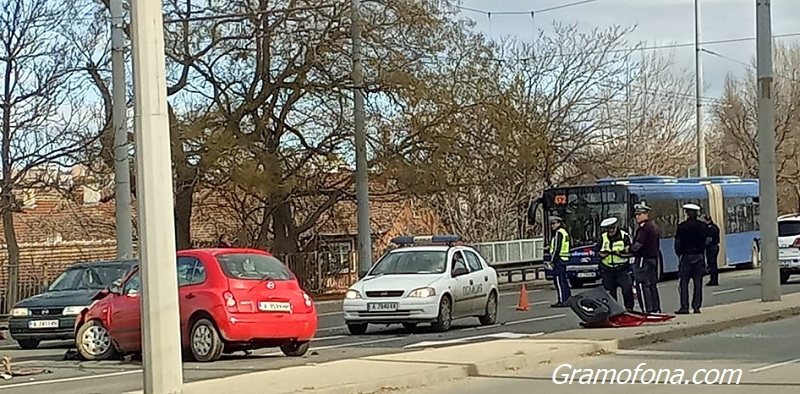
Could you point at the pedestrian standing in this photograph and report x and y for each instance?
(646, 249)
(559, 256)
(614, 263)
(712, 251)
(690, 246)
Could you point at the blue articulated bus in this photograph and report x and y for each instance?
(731, 202)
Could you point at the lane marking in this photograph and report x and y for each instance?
(331, 328)
(533, 319)
(634, 352)
(776, 365)
(320, 339)
(501, 335)
(531, 304)
(67, 380)
(727, 291)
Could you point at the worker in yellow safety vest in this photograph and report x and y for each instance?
(559, 256)
(615, 267)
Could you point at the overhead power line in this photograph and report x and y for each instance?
(527, 12)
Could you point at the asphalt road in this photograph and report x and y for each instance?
(734, 361)
(333, 342)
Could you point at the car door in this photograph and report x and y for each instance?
(191, 275)
(479, 280)
(462, 300)
(126, 316)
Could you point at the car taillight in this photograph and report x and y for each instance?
(230, 302)
(796, 243)
(309, 302)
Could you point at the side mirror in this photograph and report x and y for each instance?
(459, 272)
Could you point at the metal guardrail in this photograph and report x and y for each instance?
(515, 252)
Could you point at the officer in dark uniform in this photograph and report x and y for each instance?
(690, 246)
(615, 264)
(712, 251)
(646, 249)
(559, 252)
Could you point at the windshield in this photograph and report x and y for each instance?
(253, 267)
(583, 210)
(411, 262)
(788, 228)
(88, 277)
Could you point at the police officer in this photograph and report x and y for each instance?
(690, 246)
(646, 249)
(615, 264)
(559, 252)
(712, 251)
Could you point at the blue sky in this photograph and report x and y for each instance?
(659, 22)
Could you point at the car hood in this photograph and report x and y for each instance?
(57, 299)
(398, 282)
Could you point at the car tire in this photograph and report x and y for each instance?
(28, 344)
(295, 349)
(445, 318)
(357, 328)
(490, 313)
(94, 342)
(785, 277)
(205, 342)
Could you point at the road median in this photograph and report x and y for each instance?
(335, 306)
(405, 370)
(712, 319)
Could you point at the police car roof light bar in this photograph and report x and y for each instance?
(429, 239)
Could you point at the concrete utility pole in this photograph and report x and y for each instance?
(767, 173)
(161, 342)
(702, 170)
(122, 175)
(362, 175)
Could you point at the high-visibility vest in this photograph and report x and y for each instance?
(563, 252)
(618, 246)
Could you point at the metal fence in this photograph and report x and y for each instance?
(322, 273)
(27, 288)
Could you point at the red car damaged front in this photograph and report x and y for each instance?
(230, 300)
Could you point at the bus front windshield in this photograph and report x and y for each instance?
(583, 211)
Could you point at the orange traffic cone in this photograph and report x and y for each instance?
(523, 299)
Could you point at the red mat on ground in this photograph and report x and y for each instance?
(629, 319)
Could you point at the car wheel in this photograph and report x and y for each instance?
(28, 344)
(358, 329)
(94, 342)
(295, 349)
(445, 318)
(785, 277)
(206, 343)
(490, 316)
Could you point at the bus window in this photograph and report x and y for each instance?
(665, 215)
(583, 212)
(741, 215)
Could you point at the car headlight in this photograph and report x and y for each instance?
(73, 310)
(352, 295)
(423, 292)
(20, 312)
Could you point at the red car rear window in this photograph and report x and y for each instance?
(253, 267)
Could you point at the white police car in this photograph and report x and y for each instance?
(789, 246)
(426, 280)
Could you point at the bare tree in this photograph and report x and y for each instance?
(734, 144)
(42, 114)
(651, 123)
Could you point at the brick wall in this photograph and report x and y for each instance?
(44, 261)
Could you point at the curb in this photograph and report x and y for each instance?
(324, 307)
(707, 328)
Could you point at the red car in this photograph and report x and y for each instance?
(230, 300)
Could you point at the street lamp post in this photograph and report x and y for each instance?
(161, 342)
(767, 173)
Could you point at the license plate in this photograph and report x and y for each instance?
(43, 324)
(586, 274)
(275, 306)
(382, 306)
